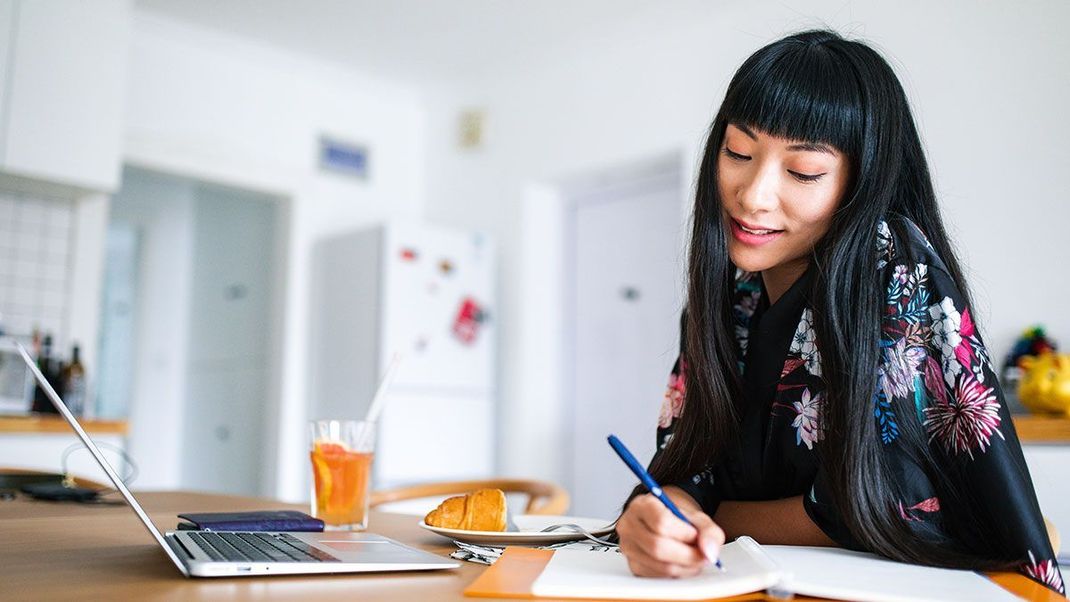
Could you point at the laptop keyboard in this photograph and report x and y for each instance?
(257, 547)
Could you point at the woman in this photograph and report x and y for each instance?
(832, 387)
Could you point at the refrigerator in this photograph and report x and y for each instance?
(426, 292)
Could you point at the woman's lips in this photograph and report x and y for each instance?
(752, 238)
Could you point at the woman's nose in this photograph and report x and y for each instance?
(759, 192)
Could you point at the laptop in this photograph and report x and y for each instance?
(232, 554)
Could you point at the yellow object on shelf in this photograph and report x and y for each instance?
(1045, 384)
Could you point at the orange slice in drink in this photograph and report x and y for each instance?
(323, 454)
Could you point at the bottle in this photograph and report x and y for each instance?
(74, 384)
(45, 363)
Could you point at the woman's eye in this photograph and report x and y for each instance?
(732, 155)
(805, 177)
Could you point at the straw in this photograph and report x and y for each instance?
(379, 400)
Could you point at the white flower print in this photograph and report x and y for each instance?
(742, 334)
(804, 343)
(947, 322)
(885, 246)
(901, 365)
(705, 475)
(807, 422)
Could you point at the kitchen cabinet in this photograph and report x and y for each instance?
(39, 442)
(63, 68)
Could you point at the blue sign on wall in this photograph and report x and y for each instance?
(343, 157)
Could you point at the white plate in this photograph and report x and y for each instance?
(530, 527)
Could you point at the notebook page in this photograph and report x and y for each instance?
(583, 574)
(847, 575)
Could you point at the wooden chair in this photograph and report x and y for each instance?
(542, 497)
(77, 481)
(1053, 535)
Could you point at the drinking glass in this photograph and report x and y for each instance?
(342, 453)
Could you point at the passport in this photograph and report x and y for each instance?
(261, 520)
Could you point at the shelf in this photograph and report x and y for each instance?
(1042, 429)
(56, 424)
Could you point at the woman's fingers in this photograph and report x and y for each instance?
(656, 548)
(657, 543)
(660, 520)
(710, 536)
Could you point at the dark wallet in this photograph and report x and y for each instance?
(265, 520)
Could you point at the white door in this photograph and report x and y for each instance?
(628, 290)
(230, 322)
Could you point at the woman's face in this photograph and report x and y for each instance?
(778, 197)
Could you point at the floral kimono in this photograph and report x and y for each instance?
(933, 359)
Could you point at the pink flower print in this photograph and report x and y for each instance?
(807, 421)
(964, 353)
(966, 327)
(900, 366)
(934, 380)
(673, 404)
(967, 420)
(928, 505)
(1044, 571)
(901, 273)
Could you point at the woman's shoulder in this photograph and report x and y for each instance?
(900, 241)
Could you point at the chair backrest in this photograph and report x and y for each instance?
(1053, 535)
(542, 497)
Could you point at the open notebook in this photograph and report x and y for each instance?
(749, 567)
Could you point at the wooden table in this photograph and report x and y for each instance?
(1034, 428)
(57, 551)
(60, 551)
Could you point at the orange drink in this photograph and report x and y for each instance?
(341, 454)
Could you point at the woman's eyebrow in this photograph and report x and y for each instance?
(811, 146)
(746, 130)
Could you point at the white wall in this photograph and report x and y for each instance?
(989, 88)
(218, 108)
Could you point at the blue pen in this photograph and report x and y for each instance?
(648, 481)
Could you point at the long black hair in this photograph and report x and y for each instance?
(816, 86)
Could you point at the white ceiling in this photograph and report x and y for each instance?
(418, 41)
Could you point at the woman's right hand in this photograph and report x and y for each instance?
(658, 544)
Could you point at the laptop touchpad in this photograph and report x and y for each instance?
(353, 546)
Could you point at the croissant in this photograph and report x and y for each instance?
(482, 510)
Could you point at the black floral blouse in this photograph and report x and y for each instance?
(933, 358)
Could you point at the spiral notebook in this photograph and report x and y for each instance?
(749, 567)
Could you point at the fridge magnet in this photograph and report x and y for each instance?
(421, 344)
(446, 267)
(409, 254)
(470, 317)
